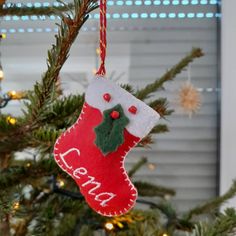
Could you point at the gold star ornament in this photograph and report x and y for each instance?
(189, 98)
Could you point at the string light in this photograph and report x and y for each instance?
(151, 166)
(11, 120)
(3, 36)
(16, 95)
(167, 197)
(98, 51)
(109, 226)
(1, 74)
(12, 94)
(60, 182)
(28, 164)
(16, 205)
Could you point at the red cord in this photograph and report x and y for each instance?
(103, 39)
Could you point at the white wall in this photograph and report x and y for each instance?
(228, 121)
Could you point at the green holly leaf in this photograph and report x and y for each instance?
(110, 133)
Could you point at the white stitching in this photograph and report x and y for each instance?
(122, 167)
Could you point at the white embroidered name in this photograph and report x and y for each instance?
(102, 197)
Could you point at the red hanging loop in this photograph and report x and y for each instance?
(103, 37)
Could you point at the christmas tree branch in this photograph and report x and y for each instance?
(213, 204)
(17, 174)
(161, 106)
(63, 112)
(151, 190)
(44, 92)
(137, 166)
(14, 10)
(161, 128)
(170, 74)
(223, 225)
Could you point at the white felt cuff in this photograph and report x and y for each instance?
(140, 123)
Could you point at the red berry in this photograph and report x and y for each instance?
(133, 109)
(115, 115)
(107, 97)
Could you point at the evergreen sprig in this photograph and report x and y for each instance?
(14, 175)
(151, 190)
(169, 75)
(213, 204)
(137, 166)
(223, 225)
(44, 92)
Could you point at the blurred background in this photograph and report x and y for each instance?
(145, 38)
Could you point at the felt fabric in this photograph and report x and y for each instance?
(140, 123)
(101, 178)
(110, 133)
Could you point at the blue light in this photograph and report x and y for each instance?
(110, 3)
(52, 17)
(147, 3)
(96, 16)
(3, 31)
(12, 31)
(209, 15)
(37, 4)
(116, 16)
(213, 2)
(15, 18)
(56, 4)
(119, 3)
(157, 2)
(194, 2)
(153, 15)
(42, 17)
(172, 15)
(24, 18)
(138, 3)
(144, 15)
(200, 15)
(30, 30)
(203, 2)
(34, 17)
(125, 15)
(185, 2)
(7, 18)
(190, 15)
(20, 30)
(129, 3)
(134, 15)
(181, 15)
(162, 15)
(48, 29)
(175, 2)
(39, 30)
(46, 4)
(19, 4)
(108, 16)
(29, 4)
(166, 2)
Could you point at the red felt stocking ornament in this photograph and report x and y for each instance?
(93, 150)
